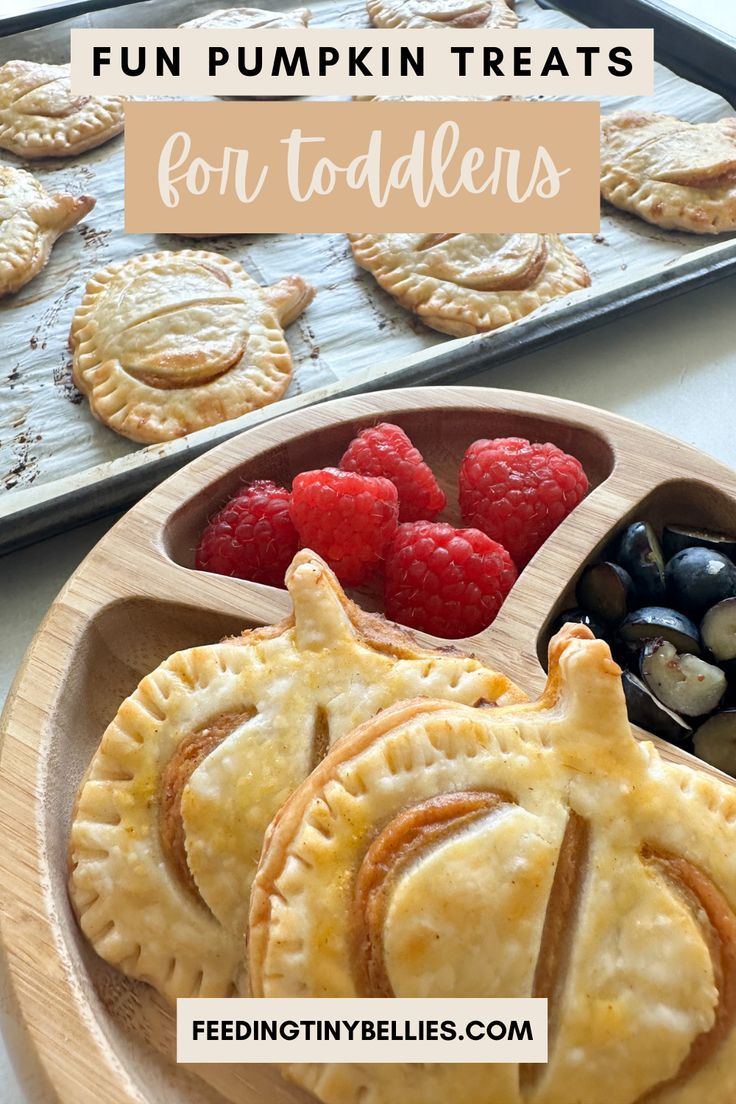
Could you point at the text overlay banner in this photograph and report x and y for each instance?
(374, 1029)
(356, 61)
(309, 167)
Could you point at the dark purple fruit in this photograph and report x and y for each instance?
(715, 741)
(655, 622)
(718, 630)
(607, 591)
(698, 578)
(638, 551)
(650, 714)
(675, 538)
(580, 617)
(684, 683)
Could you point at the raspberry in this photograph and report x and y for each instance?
(445, 581)
(386, 450)
(347, 518)
(518, 493)
(251, 537)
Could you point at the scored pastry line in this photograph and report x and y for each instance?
(558, 933)
(424, 826)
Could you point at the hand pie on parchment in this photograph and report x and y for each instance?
(463, 284)
(40, 116)
(167, 343)
(170, 816)
(677, 175)
(243, 19)
(31, 219)
(539, 850)
(489, 14)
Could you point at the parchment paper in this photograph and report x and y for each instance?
(352, 328)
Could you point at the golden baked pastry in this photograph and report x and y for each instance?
(463, 284)
(167, 343)
(171, 814)
(243, 19)
(441, 13)
(675, 174)
(40, 116)
(31, 219)
(441, 851)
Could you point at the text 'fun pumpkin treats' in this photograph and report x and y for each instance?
(167, 343)
(170, 816)
(441, 851)
(489, 14)
(463, 284)
(41, 117)
(31, 219)
(675, 174)
(244, 19)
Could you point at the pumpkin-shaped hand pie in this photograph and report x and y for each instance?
(41, 117)
(675, 174)
(441, 851)
(470, 283)
(31, 220)
(171, 814)
(168, 343)
(244, 19)
(489, 14)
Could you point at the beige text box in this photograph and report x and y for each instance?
(309, 167)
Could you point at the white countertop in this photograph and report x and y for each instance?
(672, 367)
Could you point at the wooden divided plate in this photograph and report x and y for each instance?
(82, 1033)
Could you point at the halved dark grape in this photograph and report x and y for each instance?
(698, 578)
(580, 617)
(675, 538)
(639, 552)
(654, 622)
(652, 715)
(684, 683)
(718, 630)
(607, 590)
(715, 741)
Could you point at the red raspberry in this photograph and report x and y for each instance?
(518, 493)
(445, 581)
(251, 537)
(386, 450)
(345, 517)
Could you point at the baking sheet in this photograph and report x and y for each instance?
(58, 465)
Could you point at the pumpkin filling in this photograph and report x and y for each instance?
(717, 922)
(558, 933)
(401, 843)
(192, 751)
(320, 736)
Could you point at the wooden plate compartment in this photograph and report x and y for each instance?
(84, 1033)
(690, 502)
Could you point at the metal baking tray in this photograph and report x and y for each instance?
(58, 467)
